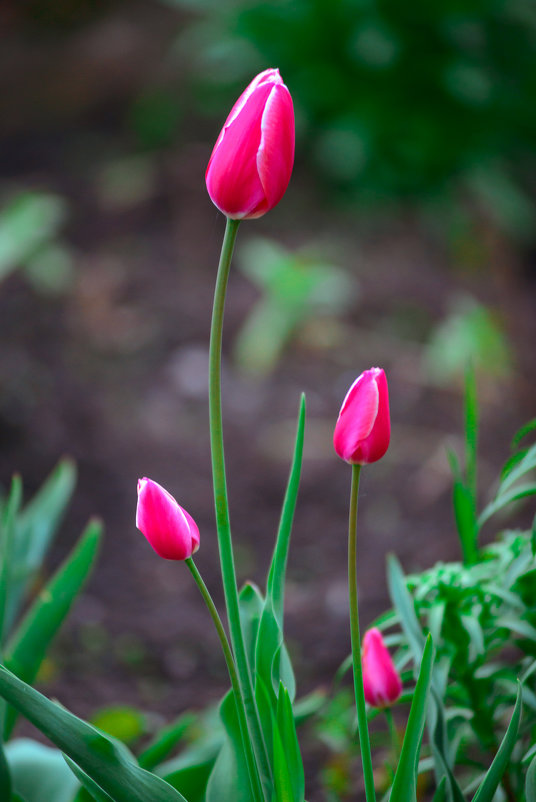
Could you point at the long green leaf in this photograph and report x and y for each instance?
(165, 741)
(229, 779)
(89, 786)
(515, 493)
(276, 577)
(287, 738)
(39, 772)
(8, 541)
(404, 605)
(108, 762)
(36, 526)
(494, 775)
(530, 781)
(28, 646)
(405, 782)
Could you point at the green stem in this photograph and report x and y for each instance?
(221, 504)
(362, 725)
(248, 749)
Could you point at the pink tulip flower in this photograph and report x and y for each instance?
(363, 428)
(170, 530)
(381, 680)
(251, 163)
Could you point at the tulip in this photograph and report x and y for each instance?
(170, 530)
(363, 428)
(381, 680)
(251, 163)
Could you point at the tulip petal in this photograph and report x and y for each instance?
(357, 416)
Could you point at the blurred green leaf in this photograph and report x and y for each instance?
(39, 772)
(105, 760)
(124, 723)
(165, 741)
(28, 646)
(494, 775)
(287, 754)
(27, 222)
(35, 528)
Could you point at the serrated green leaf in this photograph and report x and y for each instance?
(494, 775)
(39, 772)
(28, 646)
(107, 761)
(404, 787)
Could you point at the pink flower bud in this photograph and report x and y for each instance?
(381, 680)
(170, 530)
(363, 428)
(251, 163)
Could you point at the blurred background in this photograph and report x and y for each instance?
(406, 239)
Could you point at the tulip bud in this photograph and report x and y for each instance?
(251, 163)
(381, 680)
(363, 428)
(170, 530)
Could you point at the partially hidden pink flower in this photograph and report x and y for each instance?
(170, 530)
(363, 428)
(381, 680)
(252, 160)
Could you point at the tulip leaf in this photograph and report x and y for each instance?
(440, 794)
(229, 779)
(404, 787)
(27, 648)
(251, 604)
(89, 786)
(530, 781)
(107, 761)
(39, 772)
(35, 528)
(403, 603)
(5, 775)
(165, 741)
(494, 775)
(189, 772)
(276, 576)
(286, 748)
(8, 540)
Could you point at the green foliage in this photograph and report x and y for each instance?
(294, 287)
(30, 223)
(391, 99)
(39, 773)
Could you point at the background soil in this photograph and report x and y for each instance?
(113, 373)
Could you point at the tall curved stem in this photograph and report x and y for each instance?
(362, 724)
(221, 504)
